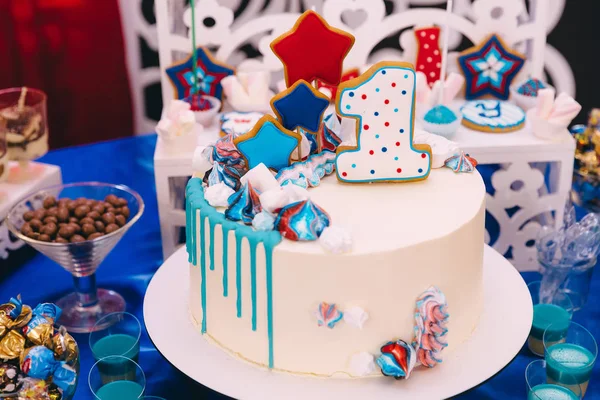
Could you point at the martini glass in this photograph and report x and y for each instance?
(83, 308)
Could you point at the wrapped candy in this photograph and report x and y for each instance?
(9, 379)
(64, 346)
(38, 362)
(13, 314)
(39, 329)
(11, 345)
(34, 389)
(49, 311)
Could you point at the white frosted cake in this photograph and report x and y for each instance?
(335, 244)
(406, 238)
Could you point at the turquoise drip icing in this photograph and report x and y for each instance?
(195, 201)
(269, 273)
(253, 282)
(211, 249)
(203, 269)
(238, 273)
(225, 262)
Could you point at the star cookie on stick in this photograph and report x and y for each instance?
(490, 68)
(209, 72)
(300, 106)
(312, 50)
(268, 143)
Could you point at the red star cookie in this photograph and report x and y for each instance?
(429, 55)
(350, 74)
(312, 50)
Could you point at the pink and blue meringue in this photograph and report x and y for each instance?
(302, 221)
(397, 359)
(328, 315)
(431, 317)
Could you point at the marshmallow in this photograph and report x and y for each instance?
(260, 178)
(177, 121)
(453, 85)
(441, 148)
(545, 101)
(274, 199)
(295, 193)
(431, 95)
(218, 194)
(564, 110)
(202, 160)
(248, 91)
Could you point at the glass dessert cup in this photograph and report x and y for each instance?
(23, 119)
(83, 308)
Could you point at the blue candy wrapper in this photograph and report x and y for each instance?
(49, 311)
(38, 362)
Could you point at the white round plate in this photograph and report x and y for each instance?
(502, 330)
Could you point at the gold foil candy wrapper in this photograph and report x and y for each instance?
(3, 330)
(54, 393)
(64, 346)
(12, 345)
(38, 330)
(22, 319)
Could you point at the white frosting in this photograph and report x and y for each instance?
(279, 197)
(406, 238)
(362, 364)
(384, 102)
(237, 123)
(260, 178)
(441, 148)
(263, 221)
(336, 240)
(217, 194)
(356, 317)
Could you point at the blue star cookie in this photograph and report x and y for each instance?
(268, 143)
(300, 106)
(209, 71)
(490, 68)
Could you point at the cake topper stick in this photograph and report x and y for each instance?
(194, 56)
(445, 51)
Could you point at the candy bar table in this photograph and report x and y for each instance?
(491, 347)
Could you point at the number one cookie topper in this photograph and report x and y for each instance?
(383, 102)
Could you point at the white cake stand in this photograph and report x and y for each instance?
(501, 332)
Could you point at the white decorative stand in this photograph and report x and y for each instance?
(12, 191)
(521, 201)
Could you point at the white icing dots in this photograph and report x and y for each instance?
(429, 59)
(423, 34)
(426, 45)
(432, 36)
(436, 52)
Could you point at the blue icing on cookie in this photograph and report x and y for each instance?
(300, 106)
(268, 143)
(440, 115)
(493, 115)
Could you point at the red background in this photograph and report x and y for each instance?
(73, 50)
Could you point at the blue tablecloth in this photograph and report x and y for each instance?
(129, 268)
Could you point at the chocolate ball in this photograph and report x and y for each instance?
(77, 239)
(73, 220)
(71, 206)
(63, 202)
(52, 212)
(49, 229)
(45, 238)
(125, 211)
(86, 220)
(80, 200)
(62, 214)
(75, 227)
(49, 219)
(61, 240)
(90, 203)
(81, 211)
(35, 224)
(99, 208)
(108, 218)
(95, 235)
(66, 231)
(112, 199)
(40, 214)
(120, 220)
(121, 202)
(99, 225)
(111, 228)
(26, 229)
(34, 235)
(95, 215)
(88, 229)
(49, 201)
(28, 215)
